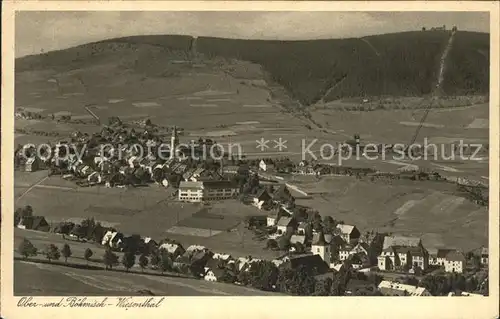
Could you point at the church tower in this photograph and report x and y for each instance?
(321, 247)
(174, 142)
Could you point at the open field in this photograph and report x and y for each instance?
(428, 209)
(147, 212)
(38, 280)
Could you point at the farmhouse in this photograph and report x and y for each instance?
(34, 223)
(390, 288)
(261, 198)
(348, 232)
(32, 164)
(207, 191)
(455, 262)
(284, 223)
(173, 249)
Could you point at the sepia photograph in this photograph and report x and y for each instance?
(249, 153)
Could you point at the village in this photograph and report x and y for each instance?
(319, 255)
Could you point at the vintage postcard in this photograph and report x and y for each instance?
(154, 153)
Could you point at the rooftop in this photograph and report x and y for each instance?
(395, 288)
(406, 241)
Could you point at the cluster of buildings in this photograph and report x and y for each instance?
(173, 166)
(387, 252)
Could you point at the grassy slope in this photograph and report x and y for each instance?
(393, 64)
(38, 280)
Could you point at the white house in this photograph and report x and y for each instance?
(455, 262)
(271, 219)
(387, 259)
(285, 222)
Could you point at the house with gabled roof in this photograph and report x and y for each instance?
(455, 262)
(34, 223)
(285, 223)
(348, 232)
(261, 198)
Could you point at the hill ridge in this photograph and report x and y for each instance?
(397, 64)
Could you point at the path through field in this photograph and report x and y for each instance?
(31, 187)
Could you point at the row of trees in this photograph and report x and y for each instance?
(263, 275)
(161, 260)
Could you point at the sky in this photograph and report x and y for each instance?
(37, 31)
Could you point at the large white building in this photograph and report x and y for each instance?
(455, 262)
(207, 191)
(390, 288)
